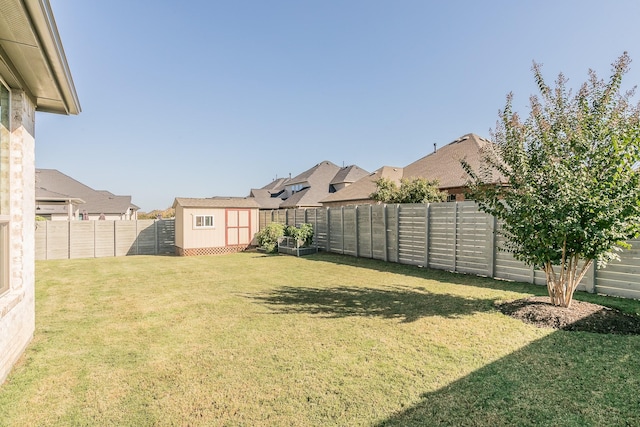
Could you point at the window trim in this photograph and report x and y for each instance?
(195, 222)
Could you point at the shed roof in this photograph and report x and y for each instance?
(216, 202)
(32, 57)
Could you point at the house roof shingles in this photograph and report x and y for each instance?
(318, 179)
(442, 165)
(52, 184)
(362, 188)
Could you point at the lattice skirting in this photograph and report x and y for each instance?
(211, 251)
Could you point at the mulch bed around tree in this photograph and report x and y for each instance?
(581, 316)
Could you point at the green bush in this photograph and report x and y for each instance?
(268, 237)
(302, 234)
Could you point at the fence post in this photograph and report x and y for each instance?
(384, 223)
(426, 235)
(357, 234)
(491, 231)
(455, 236)
(342, 226)
(592, 275)
(155, 226)
(371, 230)
(398, 233)
(328, 229)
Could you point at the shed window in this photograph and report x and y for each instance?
(203, 221)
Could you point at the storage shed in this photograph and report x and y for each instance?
(217, 225)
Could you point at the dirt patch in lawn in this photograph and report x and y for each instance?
(581, 316)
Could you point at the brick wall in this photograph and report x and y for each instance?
(17, 306)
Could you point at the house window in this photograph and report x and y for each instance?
(203, 221)
(451, 198)
(4, 187)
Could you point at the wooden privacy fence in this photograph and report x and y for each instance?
(95, 239)
(453, 236)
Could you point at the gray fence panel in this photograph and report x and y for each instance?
(88, 239)
(335, 231)
(41, 240)
(379, 226)
(621, 277)
(81, 238)
(126, 235)
(365, 231)
(473, 243)
(146, 242)
(105, 239)
(458, 238)
(57, 241)
(350, 236)
(166, 230)
(392, 233)
(442, 227)
(412, 234)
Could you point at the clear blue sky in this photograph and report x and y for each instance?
(208, 98)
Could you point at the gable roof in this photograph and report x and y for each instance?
(444, 164)
(52, 184)
(362, 188)
(32, 57)
(276, 185)
(348, 175)
(265, 199)
(215, 202)
(318, 178)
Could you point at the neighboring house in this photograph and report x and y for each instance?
(358, 193)
(216, 225)
(270, 196)
(442, 165)
(60, 197)
(34, 76)
(308, 188)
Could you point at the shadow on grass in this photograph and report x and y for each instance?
(405, 304)
(626, 305)
(564, 379)
(427, 273)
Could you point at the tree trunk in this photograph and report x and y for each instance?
(562, 286)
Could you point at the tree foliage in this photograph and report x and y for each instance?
(416, 190)
(572, 193)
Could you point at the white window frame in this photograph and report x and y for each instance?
(204, 222)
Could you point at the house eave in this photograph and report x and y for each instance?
(32, 57)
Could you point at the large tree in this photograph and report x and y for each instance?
(415, 190)
(571, 186)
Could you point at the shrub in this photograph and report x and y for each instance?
(268, 236)
(302, 234)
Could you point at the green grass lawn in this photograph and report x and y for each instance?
(254, 340)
